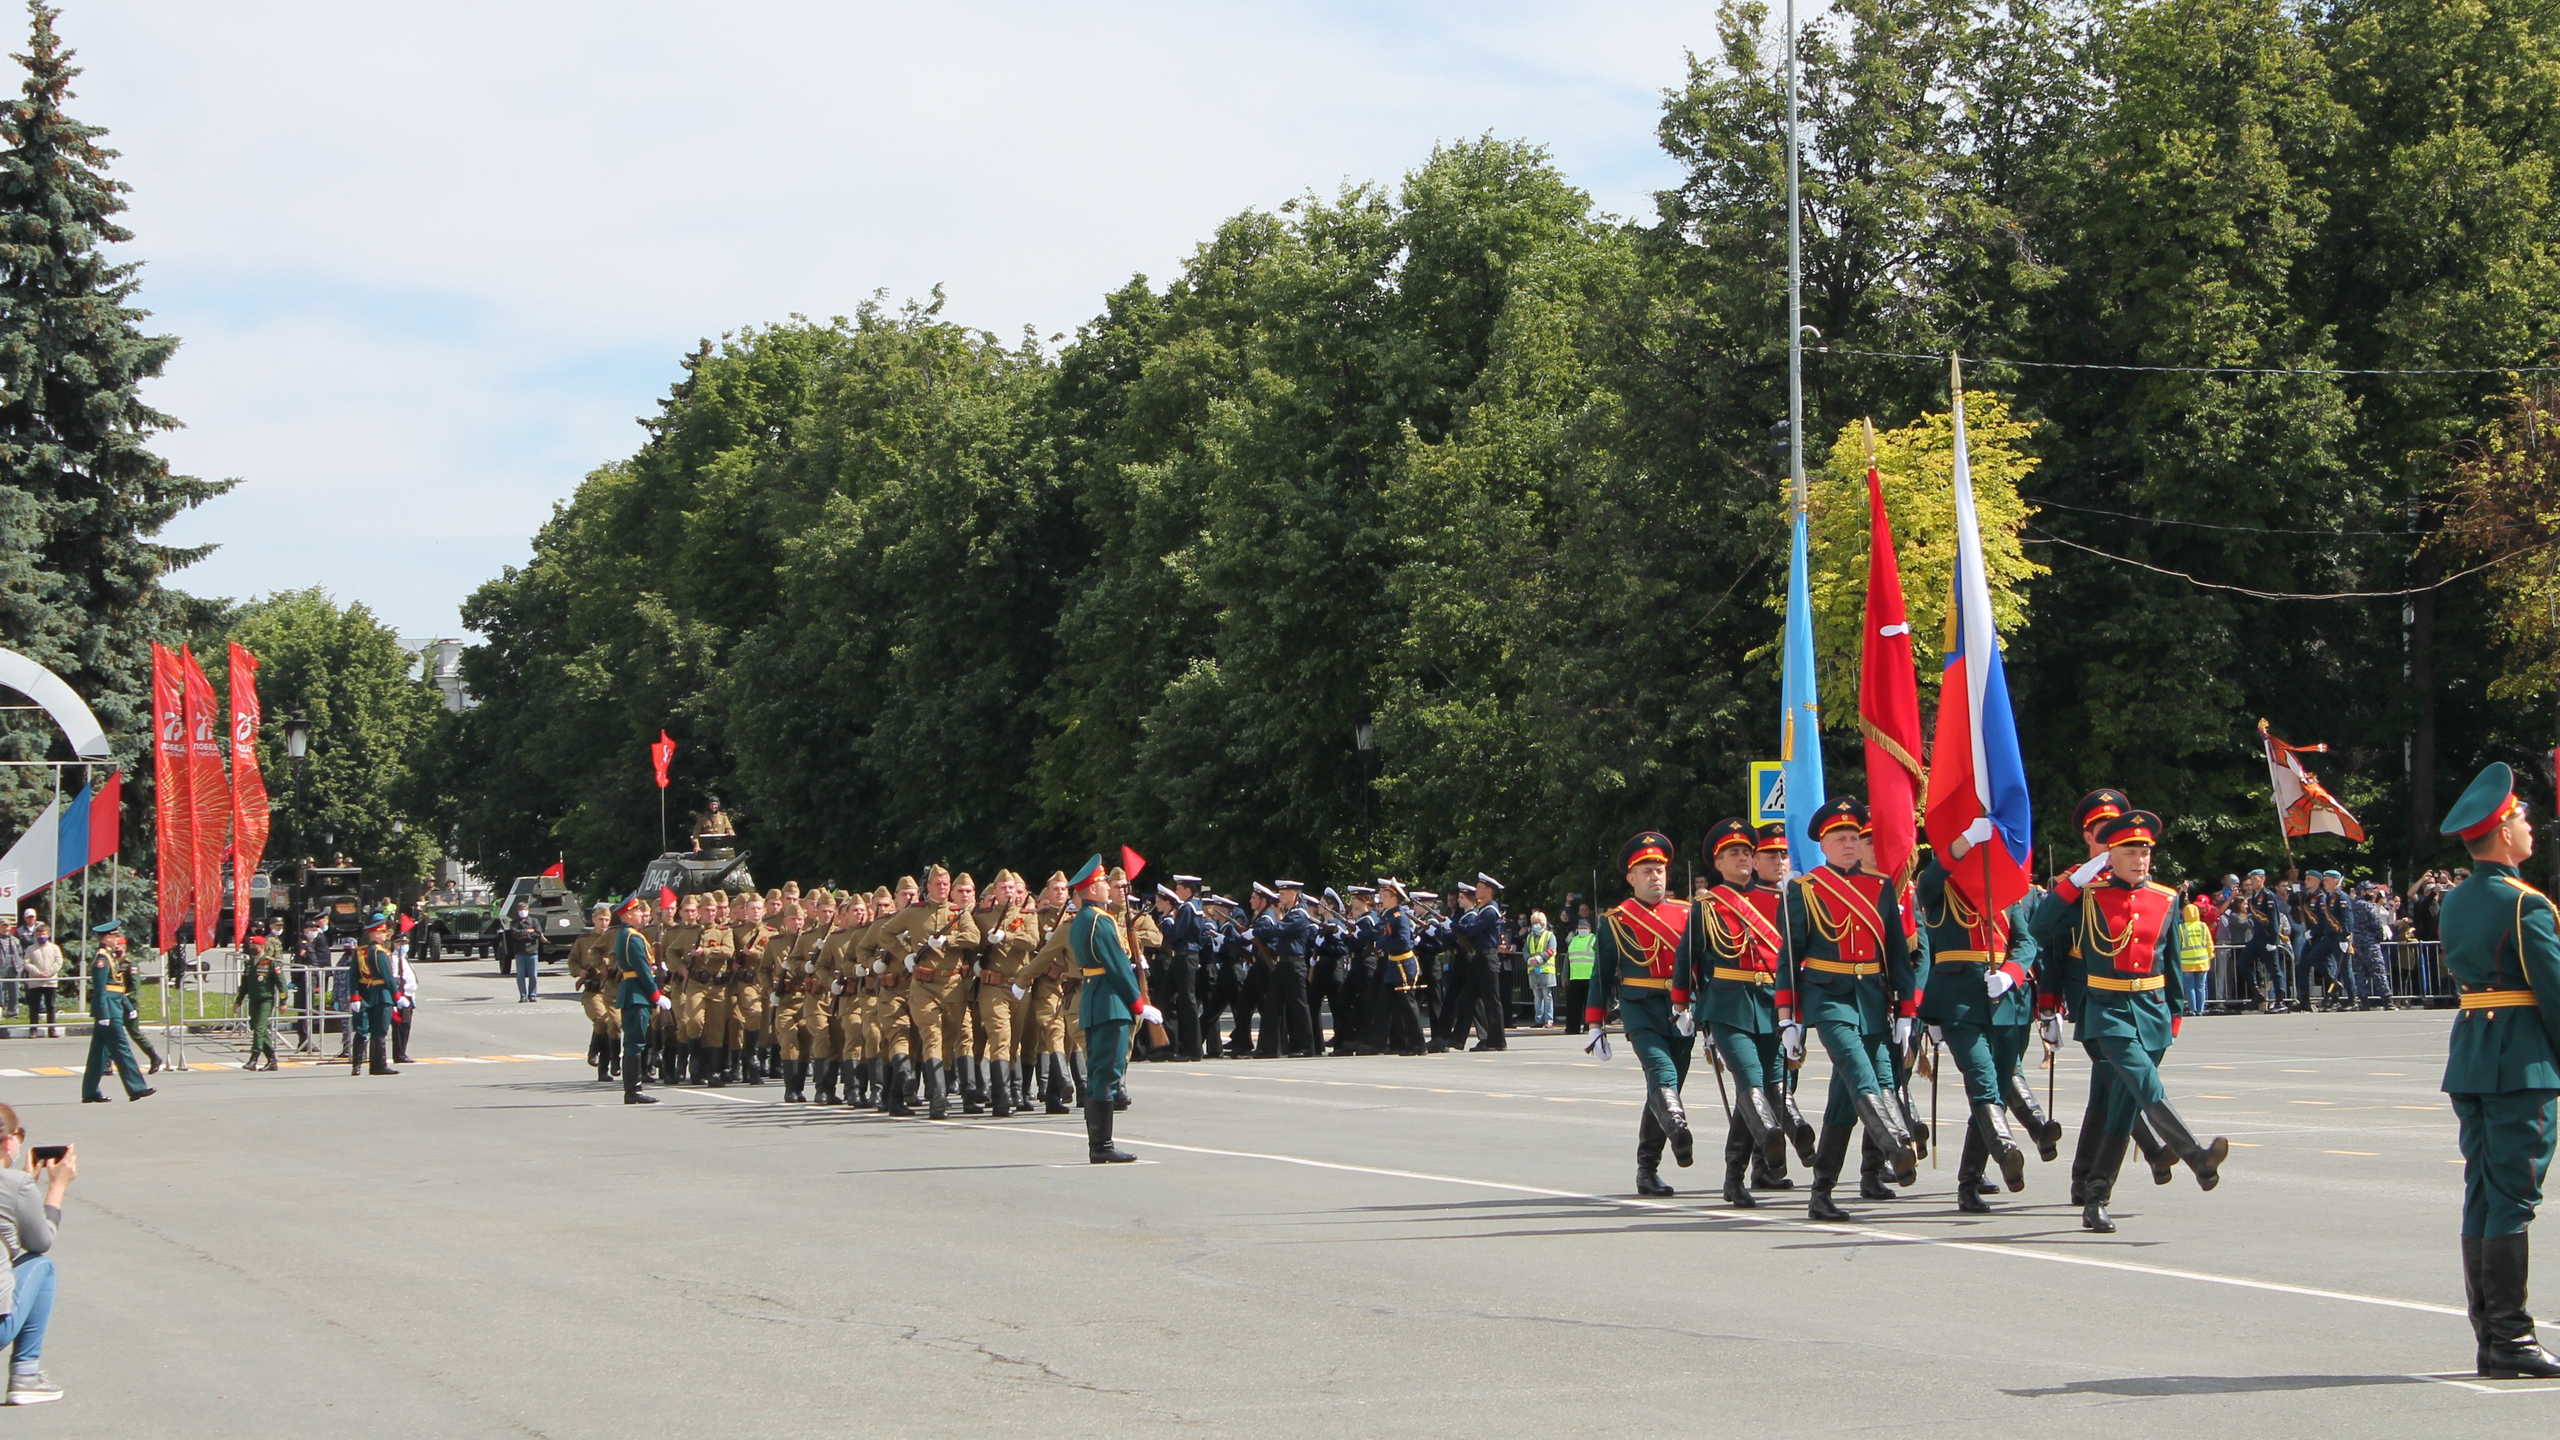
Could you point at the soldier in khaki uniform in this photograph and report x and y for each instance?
(779, 961)
(812, 1022)
(896, 1032)
(591, 971)
(835, 968)
(921, 940)
(715, 955)
(1008, 936)
(851, 970)
(1049, 1018)
(684, 943)
(654, 922)
(748, 936)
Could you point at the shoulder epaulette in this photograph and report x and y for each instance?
(2156, 885)
(2526, 888)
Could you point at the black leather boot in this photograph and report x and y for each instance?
(1649, 1142)
(2084, 1159)
(937, 1092)
(2204, 1158)
(719, 1061)
(1769, 1166)
(1799, 1130)
(1912, 1125)
(1999, 1146)
(1828, 1155)
(631, 1086)
(1054, 1065)
(1969, 1164)
(893, 1088)
(1752, 1111)
(2041, 1128)
(1075, 1069)
(1000, 1087)
(2101, 1186)
(973, 1086)
(829, 1071)
(2471, 1294)
(381, 1066)
(795, 1079)
(1674, 1123)
(1878, 1115)
(1097, 1135)
(1738, 1150)
(2162, 1160)
(597, 1055)
(1871, 1184)
(2509, 1349)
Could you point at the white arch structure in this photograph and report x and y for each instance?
(88, 739)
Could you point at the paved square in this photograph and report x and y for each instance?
(494, 1245)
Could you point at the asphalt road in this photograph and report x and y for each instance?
(1432, 1246)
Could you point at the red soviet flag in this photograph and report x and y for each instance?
(249, 810)
(1889, 699)
(662, 755)
(208, 797)
(172, 818)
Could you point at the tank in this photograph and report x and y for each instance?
(695, 872)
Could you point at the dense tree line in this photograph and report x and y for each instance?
(1434, 525)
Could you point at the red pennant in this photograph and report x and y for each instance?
(1131, 862)
(559, 871)
(662, 755)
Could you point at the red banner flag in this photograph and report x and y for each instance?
(662, 755)
(559, 871)
(173, 818)
(106, 818)
(208, 797)
(1131, 862)
(1889, 698)
(250, 813)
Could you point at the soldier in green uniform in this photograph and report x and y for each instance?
(109, 1003)
(2116, 936)
(1734, 938)
(1108, 1004)
(129, 970)
(638, 994)
(1643, 961)
(1974, 965)
(262, 984)
(1847, 973)
(2503, 1066)
(370, 993)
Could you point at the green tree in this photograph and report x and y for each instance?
(1916, 465)
(371, 712)
(81, 495)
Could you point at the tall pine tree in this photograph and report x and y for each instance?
(81, 495)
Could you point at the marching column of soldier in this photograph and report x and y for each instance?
(943, 993)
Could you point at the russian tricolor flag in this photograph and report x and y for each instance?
(1975, 769)
(65, 839)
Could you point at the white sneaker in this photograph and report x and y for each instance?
(29, 1387)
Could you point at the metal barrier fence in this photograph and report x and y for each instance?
(2415, 968)
(199, 1009)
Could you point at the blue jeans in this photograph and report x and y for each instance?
(525, 983)
(2195, 990)
(1542, 991)
(25, 1324)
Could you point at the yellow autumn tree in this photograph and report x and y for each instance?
(1916, 465)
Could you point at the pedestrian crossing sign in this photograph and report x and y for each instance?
(1768, 792)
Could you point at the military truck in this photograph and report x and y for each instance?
(558, 910)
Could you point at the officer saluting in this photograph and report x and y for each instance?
(2503, 1069)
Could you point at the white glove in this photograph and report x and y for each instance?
(1791, 1040)
(1686, 1022)
(2089, 869)
(665, 1004)
(938, 941)
(2053, 1029)
(1998, 983)
(879, 967)
(911, 962)
(1937, 1034)
(1018, 991)
(1597, 1047)
(1902, 1028)
(1979, 831)
(1151, 1014)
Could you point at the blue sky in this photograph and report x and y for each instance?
(430, 260)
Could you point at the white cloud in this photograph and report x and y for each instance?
(430, 260)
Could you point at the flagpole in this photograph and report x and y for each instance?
(1795, 288)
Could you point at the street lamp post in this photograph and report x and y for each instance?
(297, 751)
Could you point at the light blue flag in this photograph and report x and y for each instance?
(1800, 734)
